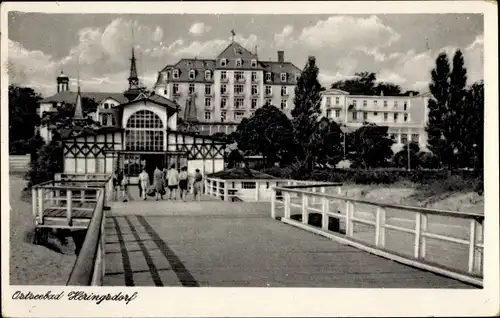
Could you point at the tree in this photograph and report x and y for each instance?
(327, 143)
(234, 158)
(268, 133)
(306, 112)
(369, 146)
(388, 89)
(401, 157)
(49, 162)
(438, 116)
(474, 142)
(362, 84)
(23, 117)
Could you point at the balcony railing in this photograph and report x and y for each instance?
(224, 80)
(239, 80)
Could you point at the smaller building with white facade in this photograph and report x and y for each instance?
(405, 116)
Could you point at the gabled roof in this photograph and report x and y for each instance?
(185, 65)
(157, 99)
(276, 68)
(235, 50)
(334, 91)
(70, 97)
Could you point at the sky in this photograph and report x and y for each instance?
(400, 48)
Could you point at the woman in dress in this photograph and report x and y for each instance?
(158, 183)
(144, 182)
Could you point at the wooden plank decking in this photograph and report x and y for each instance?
(223, 244)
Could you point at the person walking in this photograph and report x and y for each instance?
(158, 183)
(183, 183)
(144, 182)
(198, 178)
(125, 193)
(173, 181)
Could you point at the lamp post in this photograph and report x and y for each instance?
(408, 150)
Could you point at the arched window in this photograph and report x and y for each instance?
(144, 132)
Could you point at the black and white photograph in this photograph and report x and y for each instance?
(302, 152)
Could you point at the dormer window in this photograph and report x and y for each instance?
(168, 75)
(268, 76)
(254, 63)
(175, 74)
(297, 76)
(208, 75)
(283, 77)
(192, 74)
(223, 62)
(239, 63)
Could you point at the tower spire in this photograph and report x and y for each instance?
(78, 106)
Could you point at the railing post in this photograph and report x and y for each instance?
(207, 191)
(423, 239)
(273, 203)
(305, 213)
(257, 186)
(380, 227)
(40, 205)
(82, 196)
(472, 245)
(226, 191)
(69, 206)
(478, 254)
(325, 206)
(349, 212)
(217, 189)
(313, 198)
(418, 232)
(287, 204)
(33, 202)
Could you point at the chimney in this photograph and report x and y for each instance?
(281, 56)
(381, 93)
(411, 94)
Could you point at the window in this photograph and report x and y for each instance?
(113, 120)
(385, 116)
(254, 63)
(405, 105)
(238, 76)
(191, 88)
(208, 89)
(328, 101)
(375, 103)
(239, 102)
(254, 103)
(268, 90)
(283, 104)
(254, 76)
(192, 74)
(223, 103)
(144, 132)
(365, 115)
(268, 76)
(393, 136)
(104, 120)
(414, 137)
(165, 91)
(223, 62)
(269, 101)
(238, 89)
(175, 74)
(283, 77)
(404, 138)
(395, 104)
(375, 113)
(168, 75)
(405, 117)
(222, 116)
(239, 63)
(248, 185)
(395, 117)
(238, 115)
(354, 116)
(365, 102)
(297, 76)
(255, 90)
(354, 102)
(208, 75)
(106, 105)
(176, 89)
(284, 91)
(337, 100)
(223, 75)
(385, 103)
(223, 89)
(328, 113)
(208, 115)
(337, 113)
(208, 102)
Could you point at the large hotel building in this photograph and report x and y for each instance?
(217, 93)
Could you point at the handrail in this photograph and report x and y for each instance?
(420, 231)
(465, 215)
(86, 265)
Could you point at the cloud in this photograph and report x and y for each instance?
(350, 32)
(199, 28)
(282, 38)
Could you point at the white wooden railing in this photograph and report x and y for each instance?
(371, 214)
(260, 190)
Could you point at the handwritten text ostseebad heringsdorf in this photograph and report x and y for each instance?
(75, 295)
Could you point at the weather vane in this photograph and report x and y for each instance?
(232, 35)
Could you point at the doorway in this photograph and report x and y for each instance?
(153, 161)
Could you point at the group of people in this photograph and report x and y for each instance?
(171, 180)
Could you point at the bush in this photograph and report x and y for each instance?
(19, 147)
(48, 163)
